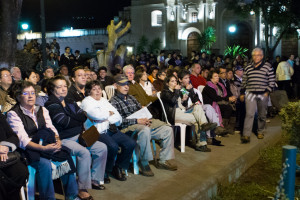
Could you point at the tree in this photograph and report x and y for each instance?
(143, 42)
(155, 46)
(9, 16)
(207, 39)
(279, 14)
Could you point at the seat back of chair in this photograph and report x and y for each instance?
(200, 88)
(104, 94)
(163, 108)
(110, 91)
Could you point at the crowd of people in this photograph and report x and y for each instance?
(46, 109)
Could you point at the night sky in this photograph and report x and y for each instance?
(75, 13)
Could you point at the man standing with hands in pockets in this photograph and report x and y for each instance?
(258, 82)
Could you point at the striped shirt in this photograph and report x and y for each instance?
(258, 80)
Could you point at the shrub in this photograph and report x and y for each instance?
(290, 116)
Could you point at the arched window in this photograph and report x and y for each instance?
(156, 18)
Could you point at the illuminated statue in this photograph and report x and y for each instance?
(107, 58)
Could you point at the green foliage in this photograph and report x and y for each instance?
(290, 116)
(279, 13)
(25, 60)
(207, 39)
(235, 50)
(142, 44)
(155, 46)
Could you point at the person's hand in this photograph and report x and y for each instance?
(58, 142)
(111, 113)
(149, 122)
(52, 148)
(3, 157)
(142, 121)
(177, 87)
(242, 98)
(266, 94)
(3, 149)
(189, 86)
(185, 97)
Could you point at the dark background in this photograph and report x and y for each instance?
(71, 13)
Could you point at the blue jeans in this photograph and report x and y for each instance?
(45, 184)
(113, 141)
(94, 156)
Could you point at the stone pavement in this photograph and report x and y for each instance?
(198, 173)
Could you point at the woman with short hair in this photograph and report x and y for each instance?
(30, 122)
(68, 119)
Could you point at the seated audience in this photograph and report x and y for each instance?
(153, 71)
(195, 115)
(5, 83)
(30, 123)
(106, 118)
(68, 119)
(65, 72)
(158, 84)
(16, 73)
(13, 176)
(215, 94)
(104, 79)
(140, 78)
(77, 89)
(196, 78)
(147, 129)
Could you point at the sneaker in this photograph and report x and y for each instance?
(260, 136)
(245, 139)
(166, 165)
(203, 148)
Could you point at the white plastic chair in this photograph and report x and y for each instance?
(200, 88)
(110, 91)
(104, 94)
(181, 125)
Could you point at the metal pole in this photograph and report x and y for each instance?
(289, 154)
(43, 26)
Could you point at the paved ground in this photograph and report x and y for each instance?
(198, 173)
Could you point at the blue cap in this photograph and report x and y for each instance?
(240, 68)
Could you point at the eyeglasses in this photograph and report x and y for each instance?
(6, 75)
(28, 93)
(129, 72)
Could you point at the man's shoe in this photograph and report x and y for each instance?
(203, 148)
(208, 126)
(216, 142)
(221, 131)
(167, 165)
(245, 139)
(106, 180)
(146, 171)
(117, 173)
(260, 136)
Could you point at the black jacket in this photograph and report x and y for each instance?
(6, 133)
(170, 100)
(67, 120)
(75, 94)
(209, 95)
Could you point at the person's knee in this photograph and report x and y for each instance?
(113, 149)
(145, 133)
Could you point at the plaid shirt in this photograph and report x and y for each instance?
(126, 105)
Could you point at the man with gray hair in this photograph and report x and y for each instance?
(258, 81)
(16, 73)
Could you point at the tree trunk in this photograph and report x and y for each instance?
(9, 17)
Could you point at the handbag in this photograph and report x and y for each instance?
(89, 137)
(13, 158)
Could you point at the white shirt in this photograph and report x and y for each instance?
(148, 88)
(98, 110)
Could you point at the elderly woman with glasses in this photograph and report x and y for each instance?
(27, 121)
(68, 118)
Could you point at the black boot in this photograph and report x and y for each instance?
(118, 174)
